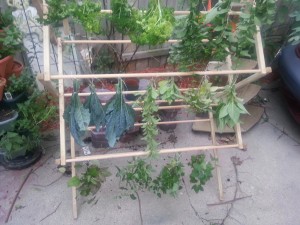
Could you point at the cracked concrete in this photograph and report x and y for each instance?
(269, 173)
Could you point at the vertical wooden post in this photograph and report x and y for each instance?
(260, 51)
(46, 45)
(215, 151)
(73, 168)
(61, 104)
(238, 136)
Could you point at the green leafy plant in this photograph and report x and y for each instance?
(14, 144)
(124, 16)
(6, 19)
(201, 172)
(90, 181)
(87, 13)
(201, 99)
(155, 26)
(17, 85)
(119, 117)
(152, 27)
(169, 180)
(169, 91)
(97, 111)
(10, 41)
(76, 116)
(229, 108)
(136, 175)
(150, 120)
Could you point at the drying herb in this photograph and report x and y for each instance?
(170, 178)
(136, 175)
(58, 10)
(230, 108)
(76, 116)
(201, 99)
(124, 16)
(119, 117)
(150, 120)
(88, 14)
(169, 91)
(201, 172)
(96, 109)
(155, 26)
(90, 181)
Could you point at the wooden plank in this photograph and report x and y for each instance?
(144, 153)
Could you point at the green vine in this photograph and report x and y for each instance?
(150, 120)
(229, 108)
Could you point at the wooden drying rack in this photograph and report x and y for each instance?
(47, 77)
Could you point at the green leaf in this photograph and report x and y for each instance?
(74, 182)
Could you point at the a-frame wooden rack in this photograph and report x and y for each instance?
(73, 159)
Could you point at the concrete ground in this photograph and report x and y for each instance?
(264, 180)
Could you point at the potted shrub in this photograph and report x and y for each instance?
(10, 43)
(17, 88)
(25, 137)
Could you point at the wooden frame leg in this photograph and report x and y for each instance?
(73, 169)
(215, 151)
(238, 134)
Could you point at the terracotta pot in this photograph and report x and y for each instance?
(2, 85)
(131, 84)
(6, 65)
(17, 68)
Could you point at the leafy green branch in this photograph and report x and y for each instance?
(229, 108)
(90, 181)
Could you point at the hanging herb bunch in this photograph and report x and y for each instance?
(155, 26)
(201, 99)
(77, 116)
(150, 119)
(229, 108)
(119, 116)
(86, 12)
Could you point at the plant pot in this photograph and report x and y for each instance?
(21, 162)
(2, 86)
(6, 65)
(12, 103)
(131, 134)
(98, 139)
(166, 115)
(131, 84)
(8, 121)
(17, 69)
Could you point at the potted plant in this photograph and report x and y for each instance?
(17, 88)
(7, 118)
(10, 43)
(25, 137)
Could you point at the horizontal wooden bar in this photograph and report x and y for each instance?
(108, 41)
(150, 75)
(175, 122)
(144, 153)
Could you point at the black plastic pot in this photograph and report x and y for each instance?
(5, 125)
(12, 103)
(131, 84)
(21, 162)
(166, 115)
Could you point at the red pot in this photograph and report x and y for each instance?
(6, 65)
(17, 68)
(2, 85)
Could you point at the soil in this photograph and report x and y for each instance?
(6, 114)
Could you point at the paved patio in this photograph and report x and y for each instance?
(265, 179)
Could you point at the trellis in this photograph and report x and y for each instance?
(73, 159)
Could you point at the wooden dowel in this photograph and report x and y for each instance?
(61, 104)
(144, 153)
(151, 75)
(260, 51)
(176, 122)
(73, 169)
(182, 12)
